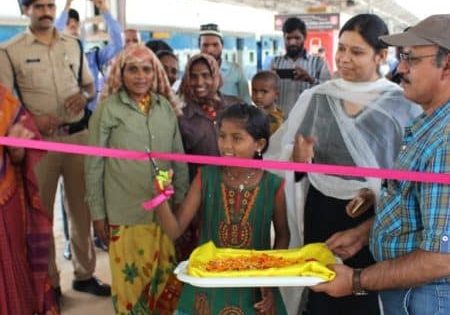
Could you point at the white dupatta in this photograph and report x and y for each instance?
(370, 139)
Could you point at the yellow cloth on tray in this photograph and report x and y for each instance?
(312, 261)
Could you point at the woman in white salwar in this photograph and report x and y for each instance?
(356, 120)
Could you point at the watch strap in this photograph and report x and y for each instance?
(356, 282)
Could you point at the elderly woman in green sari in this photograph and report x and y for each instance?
(137, 113)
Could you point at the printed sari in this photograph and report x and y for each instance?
(142, 259)
(25, 229)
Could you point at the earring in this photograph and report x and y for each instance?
(258, 154)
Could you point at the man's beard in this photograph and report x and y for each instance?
(293, 51)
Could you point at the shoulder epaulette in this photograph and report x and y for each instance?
(16, 39)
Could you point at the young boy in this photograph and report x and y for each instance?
(265, 90)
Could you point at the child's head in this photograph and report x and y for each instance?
(244, 132)
(265, 89)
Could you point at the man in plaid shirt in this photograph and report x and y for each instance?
(409, 235)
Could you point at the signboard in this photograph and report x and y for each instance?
(314, 22)
(322, 29)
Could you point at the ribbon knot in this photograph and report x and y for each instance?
(151, 204)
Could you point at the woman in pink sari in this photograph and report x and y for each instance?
(25, 230)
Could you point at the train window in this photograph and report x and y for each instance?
(234, 57)
(251, 56)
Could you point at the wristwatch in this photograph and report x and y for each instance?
(356, 281)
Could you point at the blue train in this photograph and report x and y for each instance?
(252, 52)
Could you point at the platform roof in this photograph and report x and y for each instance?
(395, 15)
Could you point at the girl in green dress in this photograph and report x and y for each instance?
(237, 206)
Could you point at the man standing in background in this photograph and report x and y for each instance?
(297, 69)
(50, 74)
(98, 59)
(234, 81)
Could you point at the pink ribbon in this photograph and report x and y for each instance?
(426, 177)
(149, 205)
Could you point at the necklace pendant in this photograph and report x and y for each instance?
(241, 187)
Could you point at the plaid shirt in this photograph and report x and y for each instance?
(290, 89)
(413, 215)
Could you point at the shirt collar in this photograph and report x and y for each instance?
(31, 38)
(422, 123)
(193, 108)
(224, 65)
(126, 99)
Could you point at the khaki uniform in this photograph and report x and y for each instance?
(46, 77)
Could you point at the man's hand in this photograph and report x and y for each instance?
(303, 149)
(346, 244)
(47, 124)
(301, 74)
(75, 104)
(102, 230)
(341, 285)
(68, 5)
(101, 5)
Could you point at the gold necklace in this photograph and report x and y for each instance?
(144, 104)
(244, 182)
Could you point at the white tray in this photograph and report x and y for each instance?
(227, 282)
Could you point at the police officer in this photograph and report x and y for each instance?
(50, 75)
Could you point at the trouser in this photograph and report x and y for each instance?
(64, 206)
(71, 168)
(430, 299)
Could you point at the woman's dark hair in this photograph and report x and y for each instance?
(163, 53)
(157, 45)
(370, 27)
(253, 120)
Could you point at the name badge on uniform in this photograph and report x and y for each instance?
(33, 60)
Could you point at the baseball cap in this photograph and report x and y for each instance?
(434, 30)
(210, 29)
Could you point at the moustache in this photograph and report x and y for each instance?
(46, 17)
(293, 47)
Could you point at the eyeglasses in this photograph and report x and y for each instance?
(411, 59)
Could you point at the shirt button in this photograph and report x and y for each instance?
(445, 238)
(403, 147)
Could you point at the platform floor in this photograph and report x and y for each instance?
(73, 302)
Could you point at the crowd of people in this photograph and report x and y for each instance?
(392, 235)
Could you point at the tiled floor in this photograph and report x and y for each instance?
(73, 302)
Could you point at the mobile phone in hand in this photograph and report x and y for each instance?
(285, 73)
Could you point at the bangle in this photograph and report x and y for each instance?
(356, 282)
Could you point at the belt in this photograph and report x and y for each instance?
(77, 126)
